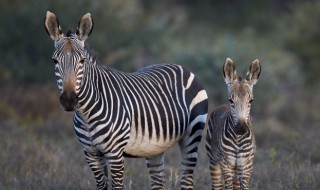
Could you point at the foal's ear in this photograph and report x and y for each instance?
(85, 27)
(52, 26)
(229, 71)
(254, 72)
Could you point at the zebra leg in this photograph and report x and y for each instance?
(189, 150)
(244, 176)
(228, 175)
(156, 170)
(189, 153)
(236, 183)
(116, 164)
(97, 164)
(215, 173)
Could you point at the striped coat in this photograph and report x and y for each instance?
(117, 114)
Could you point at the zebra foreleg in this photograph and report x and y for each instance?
(97, 164)
(228, 176)
(156, 170)
(116, 164)
(244, 175)
(236, 183)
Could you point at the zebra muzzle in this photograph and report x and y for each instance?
(69, 101)
(241, 128)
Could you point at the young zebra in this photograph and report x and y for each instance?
(230, 140)
(119, 114)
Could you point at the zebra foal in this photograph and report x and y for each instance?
(117, 114)
(230, 142)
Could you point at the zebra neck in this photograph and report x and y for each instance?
(93, 92)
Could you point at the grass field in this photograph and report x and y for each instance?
(40, 151)
(48, 156)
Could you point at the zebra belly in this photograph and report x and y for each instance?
(142, 146)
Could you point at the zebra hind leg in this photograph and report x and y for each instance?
(215, 173)
(97, 164)
(156, 170)
(189, 153)
(215, 170)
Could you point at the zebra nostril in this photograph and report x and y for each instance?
(63, 97)
(74, 98)
(68, 101)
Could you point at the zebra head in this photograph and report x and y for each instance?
(69, 57)
(240, 93)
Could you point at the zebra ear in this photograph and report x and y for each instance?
(229, 71)
(85, 27)
(52, 26)
(254, 72)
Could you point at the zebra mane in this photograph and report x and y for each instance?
(93, 55)
(240, 78)
(69, 33)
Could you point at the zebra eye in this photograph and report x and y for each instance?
(82, 60)
(231, 101)
(55, 61)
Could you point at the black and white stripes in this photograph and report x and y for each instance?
(119, 114)
(230, 140)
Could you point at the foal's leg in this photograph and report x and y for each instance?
(228, 173)
(215, 170)
(215, 173)
(244, 174)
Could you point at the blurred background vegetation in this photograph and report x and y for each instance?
(39, 149)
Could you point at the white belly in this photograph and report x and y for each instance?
(142, 146)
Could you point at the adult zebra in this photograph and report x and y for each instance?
(230, 140)
(119, 114)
